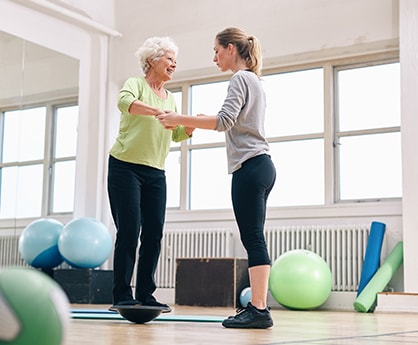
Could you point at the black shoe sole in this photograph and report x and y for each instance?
(259, 325)
(166, 307)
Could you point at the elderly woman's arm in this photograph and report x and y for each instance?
(140, 108)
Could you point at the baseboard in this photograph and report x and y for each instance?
(337, 300)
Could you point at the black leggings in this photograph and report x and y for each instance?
(251, 185)
(137, 195)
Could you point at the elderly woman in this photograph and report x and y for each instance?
(136, 176)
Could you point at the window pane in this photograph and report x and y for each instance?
(370, 166)
(66, 131)
(172, 172)
(63, 187)
(300, 173)
(8, 202)
(369, 97)
(178, 97)
(24, 135)
(210, 182)
(21, 191)
(295, 103)
(208, 99)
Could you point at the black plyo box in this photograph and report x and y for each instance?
(210, 282)
(86, 286)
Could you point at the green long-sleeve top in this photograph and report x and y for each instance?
(141, 138)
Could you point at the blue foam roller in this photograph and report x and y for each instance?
(372, 258)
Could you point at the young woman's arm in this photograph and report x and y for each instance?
(171, 119)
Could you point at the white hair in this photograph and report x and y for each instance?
(152, 49)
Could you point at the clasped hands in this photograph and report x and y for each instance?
(168, 119)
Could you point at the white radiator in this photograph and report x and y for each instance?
(341, 246)
(9, 251)
(192, 243)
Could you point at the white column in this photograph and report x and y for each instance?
(408, 32)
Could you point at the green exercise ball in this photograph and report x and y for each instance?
(300, 279)
(33, 308)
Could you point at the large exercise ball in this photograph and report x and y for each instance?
(33, 308)
(85, 243)
(300, 279)
(38, 243)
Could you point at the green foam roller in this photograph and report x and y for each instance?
(381, 278)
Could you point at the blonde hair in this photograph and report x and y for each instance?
(248, 47)
(152, 49)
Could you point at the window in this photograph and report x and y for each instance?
(210, 184)
(63, 159)
(172, 172)
(295, 130)
(367, 139)
(334, 134)
(203, 155)
(295, 103)
(207, 99)
(22, 153)
(173, 164)
(35, 161)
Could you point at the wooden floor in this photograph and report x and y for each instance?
(291, 327)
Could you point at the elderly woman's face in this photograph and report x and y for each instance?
(165, 66)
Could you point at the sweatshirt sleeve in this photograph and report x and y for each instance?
(180, 134)
(234, 101)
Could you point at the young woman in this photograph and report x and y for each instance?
(253, 173)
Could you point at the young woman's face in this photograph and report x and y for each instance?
(222, 56)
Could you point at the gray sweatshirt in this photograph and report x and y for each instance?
(242, 119)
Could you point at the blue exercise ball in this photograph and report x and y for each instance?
(38, 243)
(245, 297)
(85, 243)
(300, 279)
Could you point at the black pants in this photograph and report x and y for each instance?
(251, 186)
(137, 195)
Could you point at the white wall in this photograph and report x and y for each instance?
(284, 27)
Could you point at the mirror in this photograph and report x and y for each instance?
(29, 72)
(36, 85)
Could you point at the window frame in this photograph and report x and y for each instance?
(338, 134)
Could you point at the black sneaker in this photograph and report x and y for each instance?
(152, 302)
(123, 303)
(249, 317)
